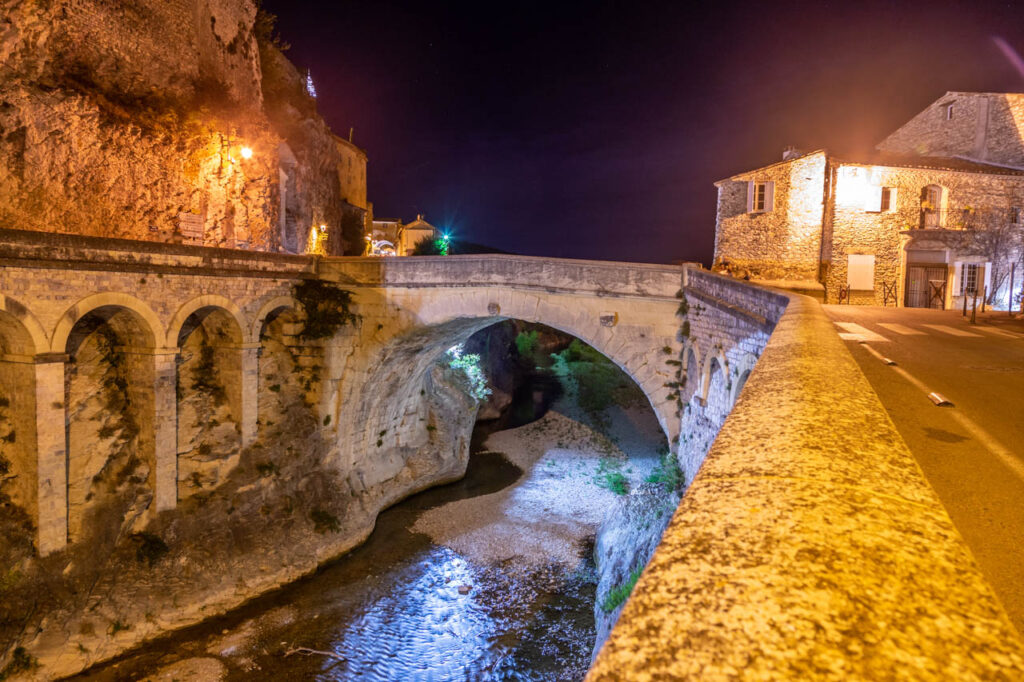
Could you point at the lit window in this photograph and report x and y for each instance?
(969, 280)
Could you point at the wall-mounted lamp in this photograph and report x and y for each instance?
(246, 152)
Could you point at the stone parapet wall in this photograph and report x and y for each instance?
(810, 546)
(554, 274)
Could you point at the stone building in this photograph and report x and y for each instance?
(168, 120)
(394, 238)
(933, 217)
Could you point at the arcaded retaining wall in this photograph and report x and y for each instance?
(810, 546)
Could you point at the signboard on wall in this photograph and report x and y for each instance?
(191, 226)
(860, 272)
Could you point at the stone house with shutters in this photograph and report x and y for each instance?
(934, 216)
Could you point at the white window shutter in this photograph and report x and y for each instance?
(750, 197)
(988, 279)
(769, 196)
(958, 279)
(892, 199)
(873, 199)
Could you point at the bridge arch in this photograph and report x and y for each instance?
(211, 405)
(693, 370)
(112, 396)
(211, 302)
(389, 412)
(152, 326)
(21, 329)
(268, 309)
(513, 304)
(21, 338)
(742, 369)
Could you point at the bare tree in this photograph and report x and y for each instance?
(989, 232)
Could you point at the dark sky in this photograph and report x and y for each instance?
(596, 130)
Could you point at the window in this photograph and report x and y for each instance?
(972, 274)
(760, 197)
(932, 199)
(887, 199)
(949, 112)
(880, 199)
(1015, 215)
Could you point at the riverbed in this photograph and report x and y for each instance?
(489, 578)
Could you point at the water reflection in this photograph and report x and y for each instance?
(430, 628)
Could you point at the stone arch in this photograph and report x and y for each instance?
(268, 309)
(209, 333)
(287, 371)
(489, 307)
(714, 361)
(742, 369)
(693, 370)
(113, 393)
(22, 327)
(212, 302)
(152, 325)
(19, 461)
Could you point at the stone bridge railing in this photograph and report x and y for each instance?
(592, 278)
(809, 545)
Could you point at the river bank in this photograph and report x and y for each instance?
(488, 578)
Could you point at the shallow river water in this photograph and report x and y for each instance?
(489, 578)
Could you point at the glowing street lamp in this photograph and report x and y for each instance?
(246, 152)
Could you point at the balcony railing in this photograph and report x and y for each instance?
(968, 218)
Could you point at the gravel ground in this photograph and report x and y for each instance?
(557, 505)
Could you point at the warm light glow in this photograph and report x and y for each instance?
(323, 228)
(246, 152)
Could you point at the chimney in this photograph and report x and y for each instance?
(791, 152)
(419, 216)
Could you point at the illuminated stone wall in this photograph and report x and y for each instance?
(858, 229)
(983, 126)
(783, 243)
(129, 120)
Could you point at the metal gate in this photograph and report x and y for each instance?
(926, 286)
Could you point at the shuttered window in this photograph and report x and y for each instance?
(760, 197)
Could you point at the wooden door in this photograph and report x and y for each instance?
(926, 286)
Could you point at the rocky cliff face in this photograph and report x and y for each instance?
(128, 119)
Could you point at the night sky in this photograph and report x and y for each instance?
(596, 130)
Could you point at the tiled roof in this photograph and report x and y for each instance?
(936, 162)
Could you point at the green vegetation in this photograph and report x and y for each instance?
(618, 595)
(469, 364)
(324, 521)
(327, 309)
(149, 548)
(21, 661)
(668, 472)
(609, 475)
(597, 382)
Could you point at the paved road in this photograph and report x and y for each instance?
(973, 451)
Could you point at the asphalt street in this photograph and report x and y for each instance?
(972, 452)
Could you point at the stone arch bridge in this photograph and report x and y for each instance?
(174, 312)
